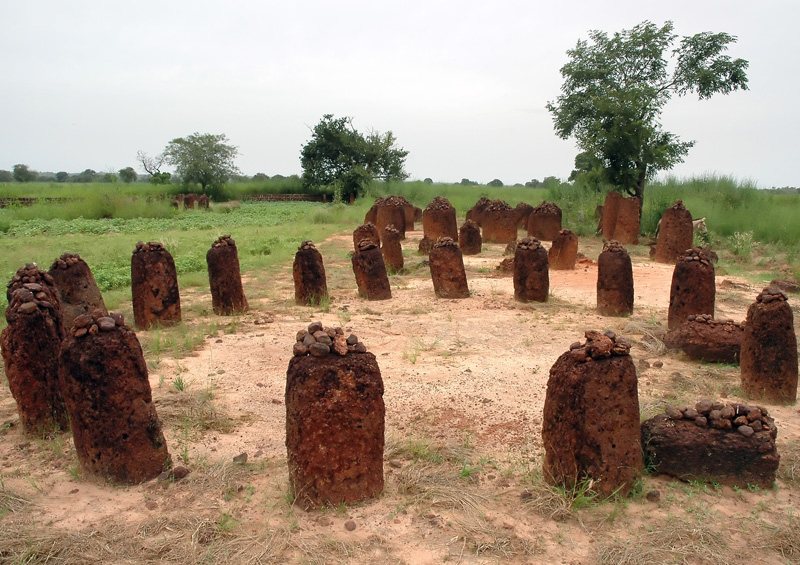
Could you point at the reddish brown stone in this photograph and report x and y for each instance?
(366, 231)
(391, 212)
(190, 201)
(531, 276)
(447, 270)
(392, 249)
(614, 281)
(590, 423)
(476, 212)
(370, 272)
(523, 210)
(203, 201)
(703, 338)
(544, 222)
(371, 216)
(439, 220)
(76, 286)
(104, 381)
(564, 252)
(469, 238)
(693, 287)
(608, 219)
(334, 428)
(675, 234)
(425, 245)
(499, 223)
(308, 271)
(154, 285)
(769, 349)
(626, 228)
(225, 279)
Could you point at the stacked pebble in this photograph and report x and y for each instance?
(26, 292)
(65, 261)
(305, 246)
(599, 346)
(365, 244)
(741, 418)
(224, 241)
(498, 206)
(696, 254)
(319, 341)
(528, 243)
(142, 247)
(445, 242)
(770, 294)
(546, 208)
(708, 319)
(90, 324)
(613, 246)
(439, 203)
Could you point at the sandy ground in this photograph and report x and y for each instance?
(464, 384)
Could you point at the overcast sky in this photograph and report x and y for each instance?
(462, 84)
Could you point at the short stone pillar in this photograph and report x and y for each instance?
(392, 249)
(523, 210)
(77, 287)
(531, 277)
(544, 221)
(366, 231)
(439, 220)
(447, 270)
(675, 234)
(390, 212)
(608, 220)
(370, 272)
(30, 345)
(425, 245)
(308, 271)
(769, 349)
(371, 217)
(476, 212)
(590, 424)
(693, 289)
(154, 285)
(703, 338)
(563, 253)
(412, 214)
(105, 385)
(626, 229)
(614, 281)
(190, 201)
(499, 223)
(334, 419)
(203, 201)
(225, 278)
(469, 238)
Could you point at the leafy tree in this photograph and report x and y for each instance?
(87, 175)
(6, 176)
(128, 175)
(110, 177)
(338, 157)
(62, 176)
(495, 182)
(161, 178)
(533, 183)
(615, 89)
(428, 180)
(204, 159)
(260, 177)
(23, 174)
(467, 182)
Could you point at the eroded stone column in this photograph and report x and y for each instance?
(531, 276)
(225, 278)
(693, 289)
(469, 238)
(499, 223)
(370, 272)
(392, 249)
(675, 234)
(76, 285)
(563, 253)
(308, 271)
(614, 281)
(544, 221)
(439, 220)
(154, 285)
(447, 270)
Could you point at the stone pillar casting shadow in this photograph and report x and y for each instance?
(447, 270)
(154, 285)
(469, 238)
(225, 278)
(439, 220)
(614, 281)
(392, 249)
(693, 288)
(531, 276)
(675, 234)
(370, 272)
(563, 253)
(308, 272)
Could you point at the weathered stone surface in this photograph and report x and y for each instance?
(703, 338)
(523, 210)
(366, 231)
(334, 428)
(614, 281)
(425, 245)
(733, 455)
(372, 214)
(104, 382)
(499, 222)
(308, 272)
(390, 211)
(693, 289)
(476, 212)
(370, 272)
(392, 249)
(608, 219)
(154, 285)
(76, 286)
(225, 278)
(447, 270)
(769, 349)
(786, 285)
(439, 220)
(544, 221)
(531, 276)
(469, 238)
(563, 253)
(590, 423)
(675, 235)
(626, 228)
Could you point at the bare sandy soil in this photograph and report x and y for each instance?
(464, 384)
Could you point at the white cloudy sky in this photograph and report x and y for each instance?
(462, 84)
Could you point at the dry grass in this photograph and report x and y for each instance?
(438, 486)
(10, 501)
(789, 469)
(195, 408)
(481, 538)
(651, 332)
(783, 539)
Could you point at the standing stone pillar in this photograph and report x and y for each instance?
(499, 223)
(439, 220)
(308, 271)
(610, 211)
(544, 221)
(522, 211)
(563, 253)
(372, 214)
(531, 277)
(154, 285)
(590, 425)
(469, 238)
(366, 231)
(675, 234)
(370, 272)
(769, 349)
(478, 210)
(104, 381)
(626, 229)
(30, 345)
(614, 281)
(447, 270)
(693, 287)
(77, 287)
(392, 249)
(334, 419)
(224, 277)
(390, 212)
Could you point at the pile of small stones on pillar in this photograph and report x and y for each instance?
(675, 234)
(693, 289)
(531, 276)
(30, 345)
(590, 424)
(499, 222)
(544, 221)
(447, 270)
(225, 278)
(308, 272)
(476, 212)
(614, 281)
(469, 238)
(370, 272)
(76, 286)
(106, 390)
(391, 211)
(769, 349)
(334, 419)
(439, 220)
(392, 249)
(703, 338)
(563, 253)
(366, 231)
(154, 286)
(732, 444)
